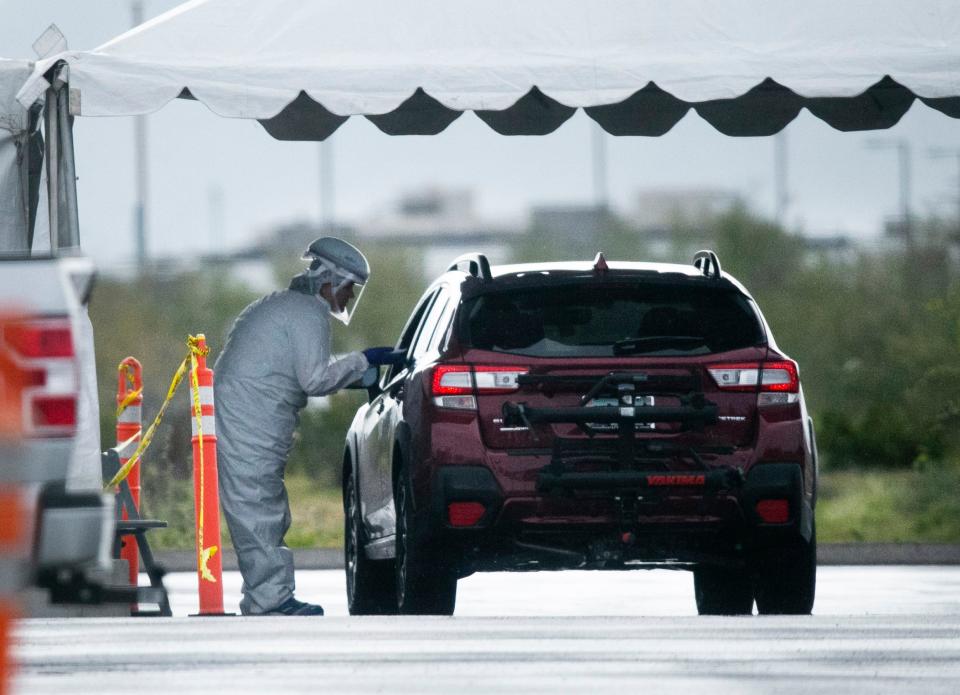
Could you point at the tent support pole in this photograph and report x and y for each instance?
(52, 157)
(61, 168)
(70, 231)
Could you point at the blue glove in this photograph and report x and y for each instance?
(377, 356)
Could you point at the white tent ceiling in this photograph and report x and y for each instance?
(637, 67)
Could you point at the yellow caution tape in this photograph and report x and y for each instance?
(190, 359)
(127, 400)
(205, 555)
(127, 371)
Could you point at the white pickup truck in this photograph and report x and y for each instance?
(57, 466)
(59, 458)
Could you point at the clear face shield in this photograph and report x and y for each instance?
(346, 295)
(345, 289)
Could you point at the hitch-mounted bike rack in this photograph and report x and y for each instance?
(632, 467)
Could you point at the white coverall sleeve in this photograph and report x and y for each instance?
(320, 374)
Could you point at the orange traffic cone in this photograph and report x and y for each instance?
(206, 495)
(129, 429)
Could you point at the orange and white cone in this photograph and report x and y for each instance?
(206, 494)
(129, 429)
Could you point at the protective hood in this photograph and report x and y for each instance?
(340, 264)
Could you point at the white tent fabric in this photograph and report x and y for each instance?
(16, 145)
(636, 66)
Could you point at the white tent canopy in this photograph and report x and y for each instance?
(636, 66)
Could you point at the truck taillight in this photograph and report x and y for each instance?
(775, 382)
(42, 350)
(455, 385)
(40, 339)
(55, 411)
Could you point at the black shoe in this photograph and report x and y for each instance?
(294, 607)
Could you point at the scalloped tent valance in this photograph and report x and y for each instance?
(302, 67)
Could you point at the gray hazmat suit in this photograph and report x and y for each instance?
(277, 354)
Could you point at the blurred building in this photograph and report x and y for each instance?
(675, 223)
(681, 207)
(436, 216)
(440, 223)
(837, 249)
(570, 221)
(444, 223)
(573, 230)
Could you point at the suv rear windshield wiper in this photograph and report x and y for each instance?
(652, 343)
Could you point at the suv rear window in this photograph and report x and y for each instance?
(611, 320)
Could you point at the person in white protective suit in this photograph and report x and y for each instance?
(276, 355)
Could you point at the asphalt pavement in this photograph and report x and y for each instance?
(875, 630)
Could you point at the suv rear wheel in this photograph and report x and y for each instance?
(424, 585)
(370, 585)
(723, 591)
(787, 579)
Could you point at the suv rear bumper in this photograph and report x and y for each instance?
(677, 523)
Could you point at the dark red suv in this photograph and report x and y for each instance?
(583, 415)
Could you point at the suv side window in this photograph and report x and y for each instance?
(443, 326)
(430, 325)
(409, 332)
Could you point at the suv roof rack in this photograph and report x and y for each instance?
(708, 263)
(477, 265)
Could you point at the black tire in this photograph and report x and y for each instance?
(722, 591)
(370, 584)
(425, 585)
(787, 579)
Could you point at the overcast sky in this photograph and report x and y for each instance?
(837, 184)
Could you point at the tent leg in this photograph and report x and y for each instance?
(52, 157)
(61, 167)
(70, 231)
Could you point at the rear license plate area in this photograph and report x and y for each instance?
(634, 401)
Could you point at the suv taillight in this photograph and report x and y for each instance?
(776, 383)
(43, 350)
(455, 385)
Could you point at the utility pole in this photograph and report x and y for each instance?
(781, 195)
(141, 178)
(326, 188)
(902, 147)
(946, 152)
(600, 193)
(215, 211)
(903, 157)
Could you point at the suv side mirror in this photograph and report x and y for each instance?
(369, 381)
